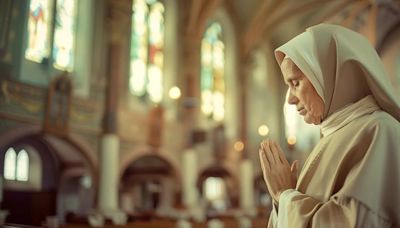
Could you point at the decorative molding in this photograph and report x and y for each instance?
(58, 106)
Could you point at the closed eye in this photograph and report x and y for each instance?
(295, 83)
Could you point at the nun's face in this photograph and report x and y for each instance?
(302, 93)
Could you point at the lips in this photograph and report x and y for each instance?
(302, 111)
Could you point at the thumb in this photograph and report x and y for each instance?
(294, 169)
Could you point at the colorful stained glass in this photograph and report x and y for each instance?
(212, 73)
(147, 44)
(22, 166)
(9, 164)
(39, 24)
(64, 35)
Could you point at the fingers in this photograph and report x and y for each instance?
(276, 153)
(268, 151)
(294, 169)
(272, 153)
(264, 161)
(281, 155)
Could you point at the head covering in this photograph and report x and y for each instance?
(342, 66)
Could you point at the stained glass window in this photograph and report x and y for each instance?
(9, 164)
(147, 43)
(22, 166)
(40, 21)
(39, 26)
(212, 73)
(64, 34)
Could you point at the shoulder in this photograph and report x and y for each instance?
(380, 121)
(379, 127)
(367, 128)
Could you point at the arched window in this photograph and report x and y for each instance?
(16, 166)
(64, 35)
(9, 164)
(215, 192)
(212, 73)
(39, 30)
(42, 41)
(147, 44)
(22, 166)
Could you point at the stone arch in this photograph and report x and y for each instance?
(214, 170)
(15, 134)
(145, 151)
(218, 170)
(47, 147)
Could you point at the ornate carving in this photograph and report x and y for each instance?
(58, 105)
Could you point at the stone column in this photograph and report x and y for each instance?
(109, 144)
(247, 187)
(246, 167)
(244, 74)
(166, 197)
(190, 85)
(189, 177)
(108, 181)
(116, 33)
(127, 202)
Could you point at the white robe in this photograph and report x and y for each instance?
(350, 179)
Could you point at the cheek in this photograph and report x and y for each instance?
(313, 103)
(321, 105)
(316, 105)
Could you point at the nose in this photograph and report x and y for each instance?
(292, 99)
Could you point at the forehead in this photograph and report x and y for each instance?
(290, 70)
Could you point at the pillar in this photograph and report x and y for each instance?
(166, 199)
(108, 182)
(189, 177)
(127, 202)
(247, 187)
(190, 86)
(107, 201)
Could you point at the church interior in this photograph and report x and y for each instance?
(149, 113)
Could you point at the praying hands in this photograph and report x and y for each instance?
(278, 174)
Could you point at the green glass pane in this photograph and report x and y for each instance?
(212, 72)
(64, 34)
(39, 25)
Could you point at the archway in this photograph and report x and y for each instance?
(55, 156)
(218, 189)
(149, 181)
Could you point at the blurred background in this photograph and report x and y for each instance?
(149, 113)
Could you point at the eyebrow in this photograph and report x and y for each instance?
(292, 77)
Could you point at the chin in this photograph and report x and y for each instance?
(312, 120)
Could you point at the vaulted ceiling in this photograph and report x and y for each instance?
(281, 19)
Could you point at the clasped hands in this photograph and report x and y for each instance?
(278, 174)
